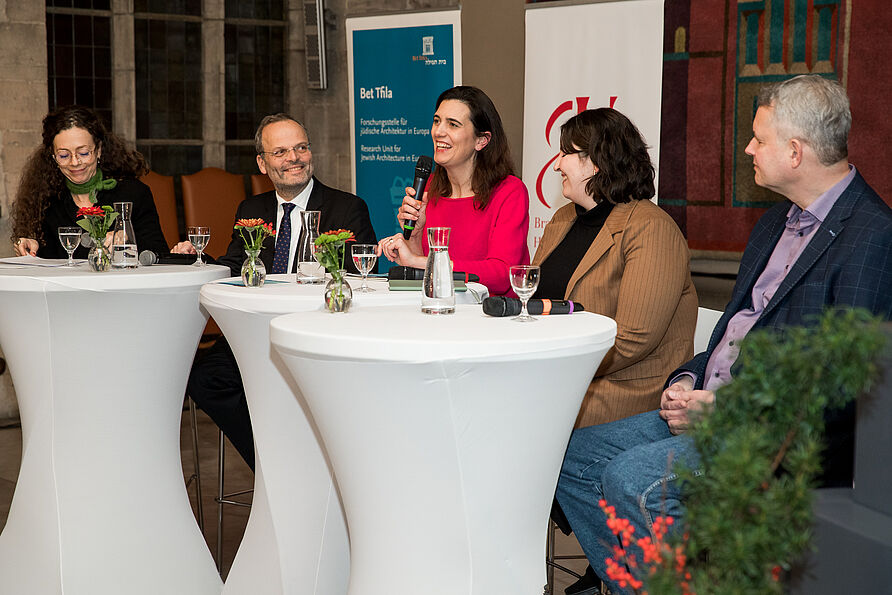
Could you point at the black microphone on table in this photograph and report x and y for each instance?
(148, 258)
(402, 273)
(422, 173)
(509, 306)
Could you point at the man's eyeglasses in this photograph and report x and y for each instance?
(301, 149)
(65, 157)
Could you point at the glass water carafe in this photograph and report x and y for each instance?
(438, 287)
(309, 270)
(124, 252)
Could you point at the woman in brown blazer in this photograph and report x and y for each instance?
(620, 255)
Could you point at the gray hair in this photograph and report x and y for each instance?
(813, 109)
(272, 119)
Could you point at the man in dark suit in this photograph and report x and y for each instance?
(829, 244)
(283, 153)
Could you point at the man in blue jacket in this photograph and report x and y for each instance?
(828, 244)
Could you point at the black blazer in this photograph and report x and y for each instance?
(848, 262)
(63, 212)
(340, 210)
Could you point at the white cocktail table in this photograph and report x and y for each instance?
(446, 436)
(295, 542)
(100, 362)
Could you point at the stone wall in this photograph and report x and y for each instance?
(23, 96)
(492, 45)
(23, 101)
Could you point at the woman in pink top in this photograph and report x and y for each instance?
(473, 190)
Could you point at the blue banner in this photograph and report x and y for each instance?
(397, 75)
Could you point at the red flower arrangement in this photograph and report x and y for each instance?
(330, 249)
(96, 221)
(92, 210)
(657, 553)
(257, 230)
(663, 566)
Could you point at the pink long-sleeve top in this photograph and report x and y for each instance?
(485, 242)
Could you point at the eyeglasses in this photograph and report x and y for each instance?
(301, 149)
(65, 157)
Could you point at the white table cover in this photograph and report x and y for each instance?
(446, 436)
(296, 539)
(100, 362)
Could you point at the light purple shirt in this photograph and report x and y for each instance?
(800, 228)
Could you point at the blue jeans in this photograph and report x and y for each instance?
(626, 463)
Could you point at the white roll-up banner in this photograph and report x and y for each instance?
(584, 56)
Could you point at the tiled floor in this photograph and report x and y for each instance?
(10, 457)
(238, 476)
(567, 546)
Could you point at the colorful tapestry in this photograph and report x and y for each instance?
(717, 55)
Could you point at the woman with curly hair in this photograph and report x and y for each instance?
(618, 254)
(473, 191)
(78, 165)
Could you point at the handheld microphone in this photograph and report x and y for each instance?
(412, 274)
(507, 306)
(148, 258)
(422, 173)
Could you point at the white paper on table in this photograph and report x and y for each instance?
(33, 261)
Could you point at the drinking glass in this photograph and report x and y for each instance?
(524, 281)
(70, 238)
(199, 237)
(364, 258)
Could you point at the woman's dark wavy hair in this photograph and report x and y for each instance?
(615, 146)
(493, 162)
(42, 180)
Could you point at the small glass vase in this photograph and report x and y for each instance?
(253, 269)
(98, 257)
(338, 293)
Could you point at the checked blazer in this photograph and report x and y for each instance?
(848, 262)
(340, 210)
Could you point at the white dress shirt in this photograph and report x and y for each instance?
(300, 204)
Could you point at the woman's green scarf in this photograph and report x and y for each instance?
(92, 186)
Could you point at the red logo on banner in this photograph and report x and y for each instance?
(581, 106)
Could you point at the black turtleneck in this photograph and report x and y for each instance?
(557, 269)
